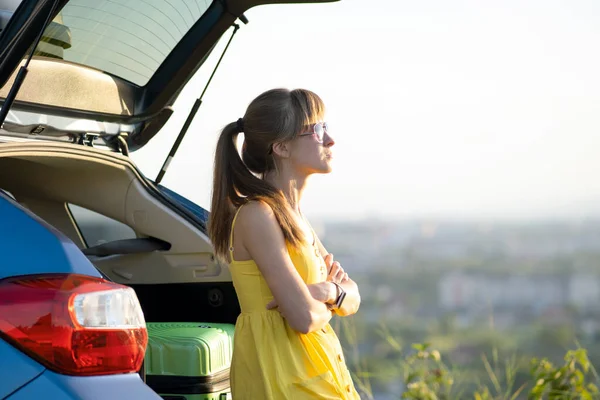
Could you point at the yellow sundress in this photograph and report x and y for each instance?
(271, 361)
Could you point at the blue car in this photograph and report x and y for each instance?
(91, 249)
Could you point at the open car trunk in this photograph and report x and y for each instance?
(178, 280)
(119, 63)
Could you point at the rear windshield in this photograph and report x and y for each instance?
(129, 39)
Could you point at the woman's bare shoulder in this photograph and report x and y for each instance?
(257, 216)
(261, 237)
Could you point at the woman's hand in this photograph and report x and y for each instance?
(336, 272)
(325, 292)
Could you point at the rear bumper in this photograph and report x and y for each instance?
(50, 385)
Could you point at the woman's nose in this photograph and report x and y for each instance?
(328, 140)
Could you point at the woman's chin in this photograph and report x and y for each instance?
(327, 168)
(324, 168)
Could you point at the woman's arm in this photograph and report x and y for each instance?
(261, 236)
(352, 301)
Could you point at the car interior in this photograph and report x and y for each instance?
(103, 203)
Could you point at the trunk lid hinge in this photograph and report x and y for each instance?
(122, 140)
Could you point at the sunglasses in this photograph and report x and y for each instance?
(319, 130)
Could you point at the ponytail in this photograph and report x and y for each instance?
(233, 186)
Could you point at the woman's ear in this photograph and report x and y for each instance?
(282, 149)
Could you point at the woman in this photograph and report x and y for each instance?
(287, 284)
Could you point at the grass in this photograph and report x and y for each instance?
(426, 374)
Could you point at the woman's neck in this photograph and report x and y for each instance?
(290, 184)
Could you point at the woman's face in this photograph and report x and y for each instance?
(311, 151)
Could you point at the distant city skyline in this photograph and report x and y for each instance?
(458, 109)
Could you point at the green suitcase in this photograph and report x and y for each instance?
(189, 361)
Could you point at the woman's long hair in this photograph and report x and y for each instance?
(275, 116)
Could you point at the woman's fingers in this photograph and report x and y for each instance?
(337, 273)
(329, 263)
(272, 304)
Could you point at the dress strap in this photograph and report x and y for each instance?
(231, 233)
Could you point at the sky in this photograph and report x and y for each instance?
(439, 109)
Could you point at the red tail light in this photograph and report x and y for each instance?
(74, 324)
